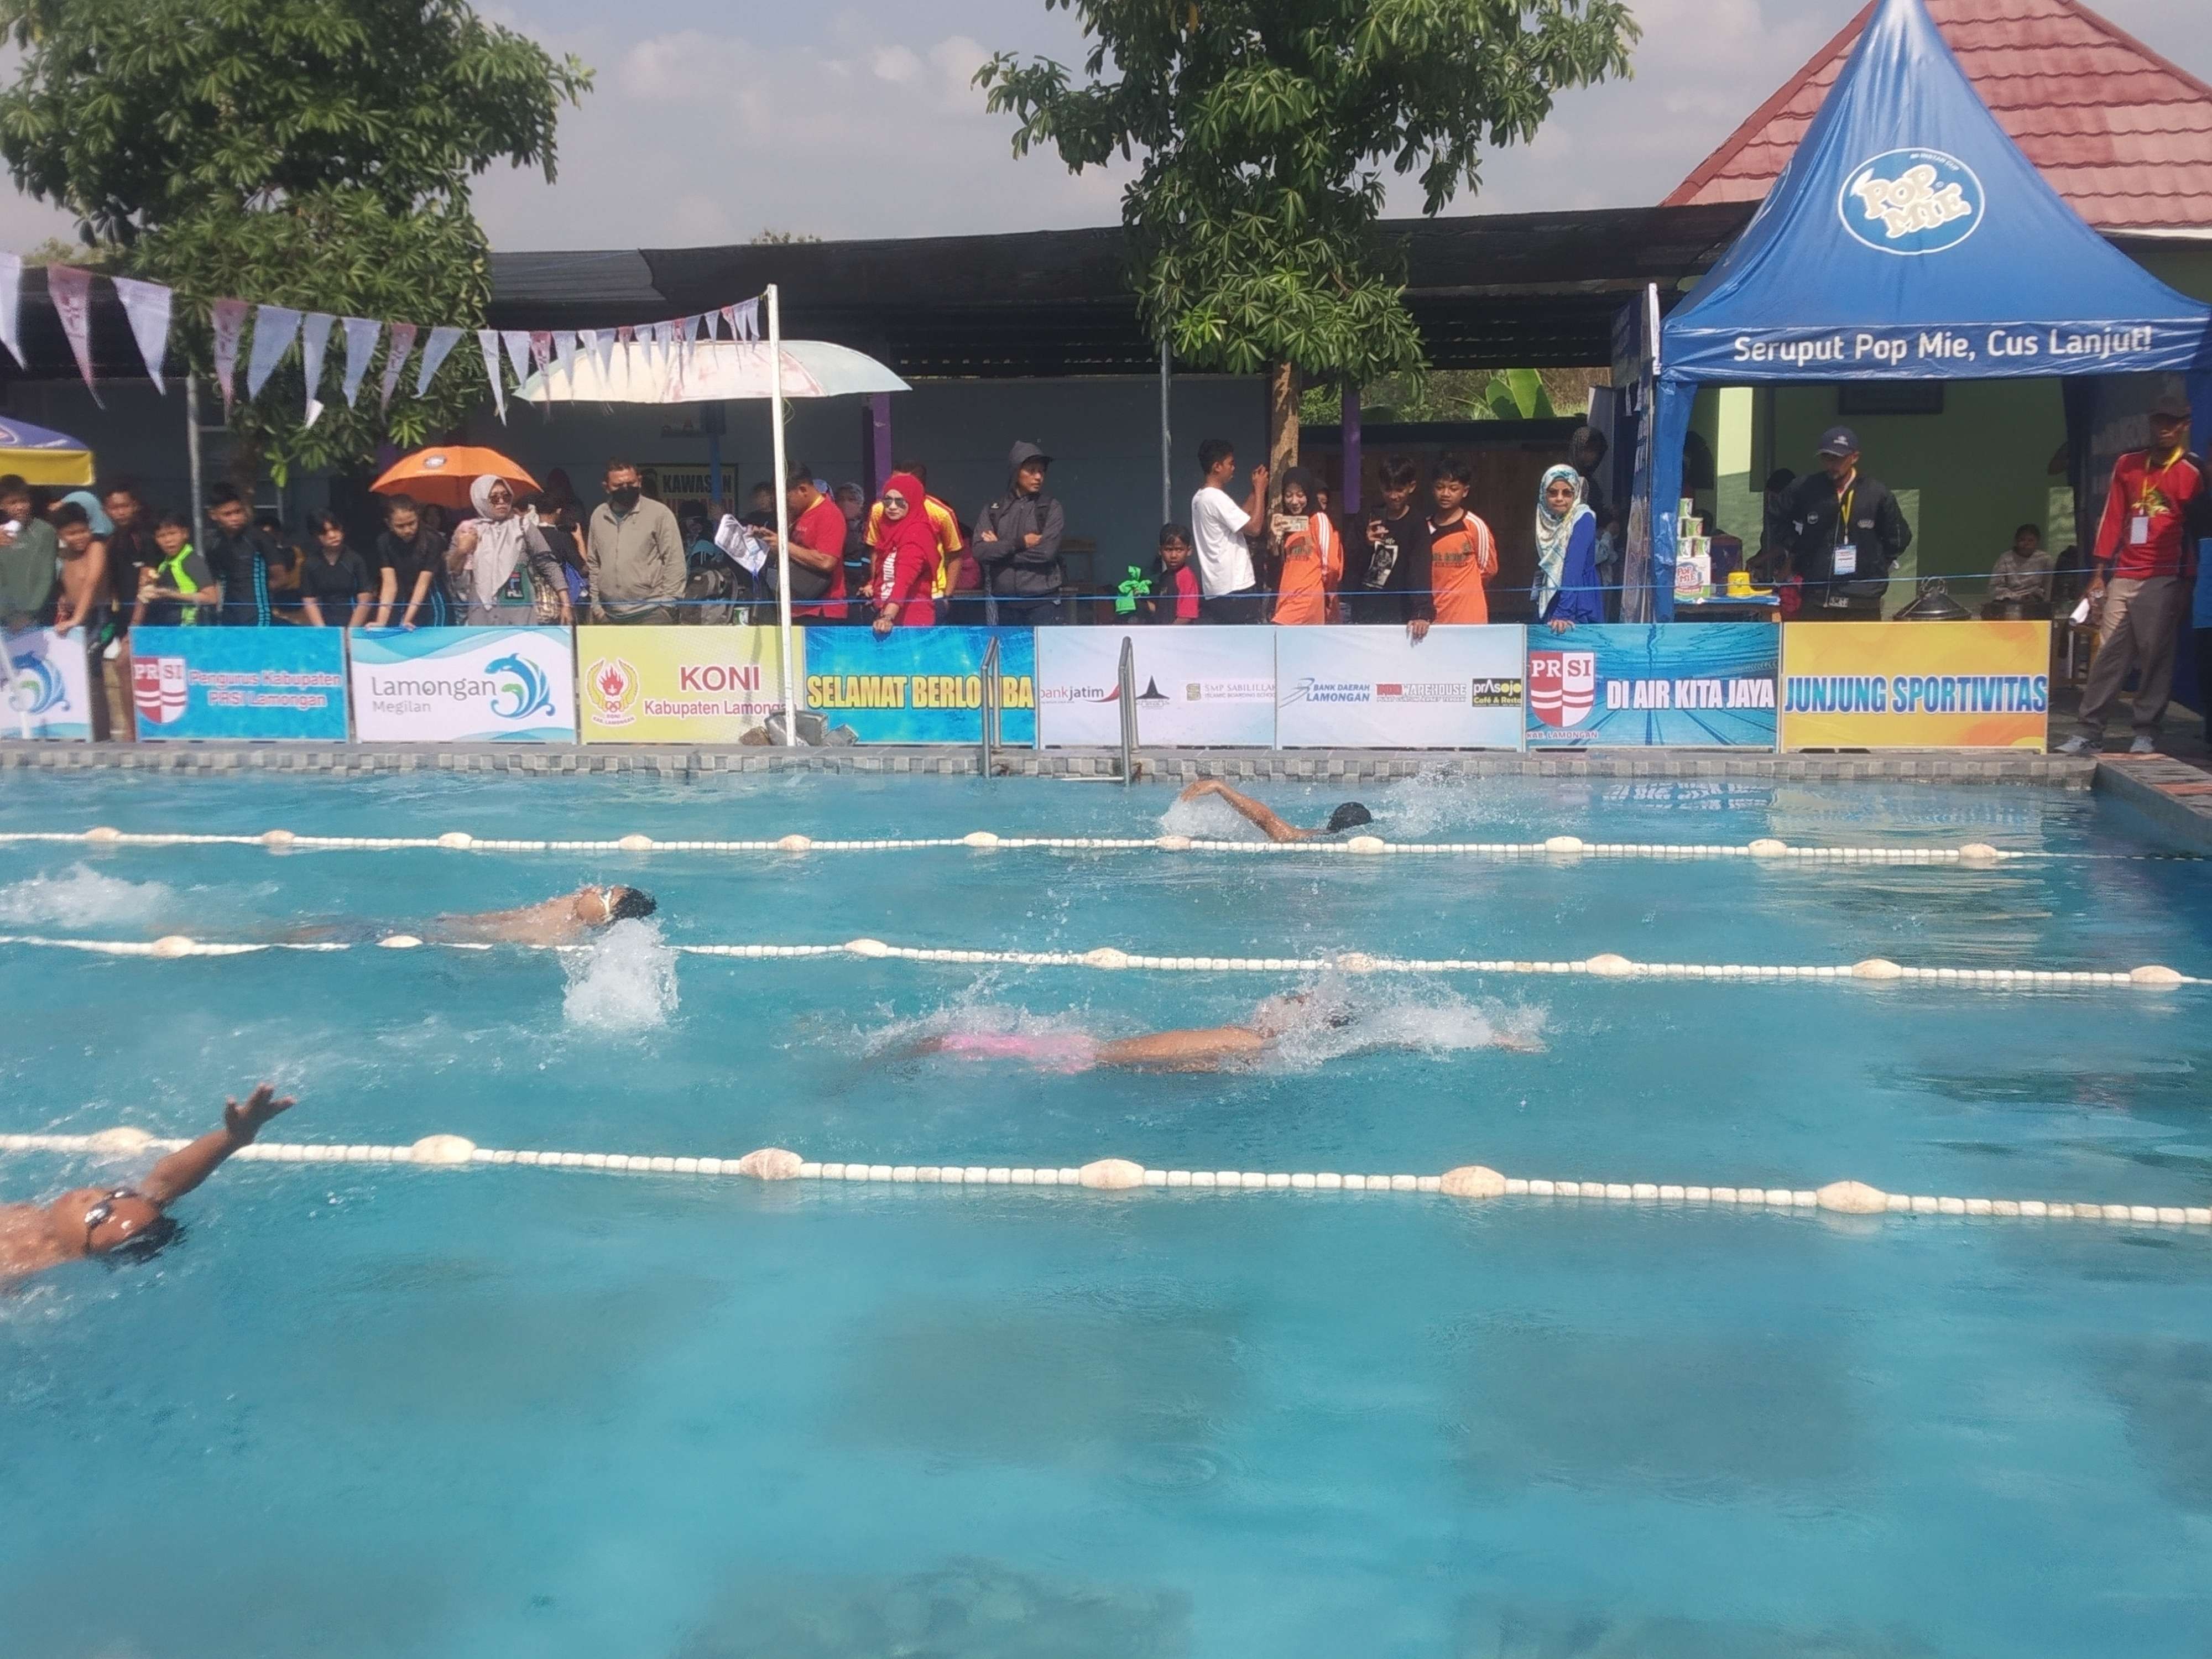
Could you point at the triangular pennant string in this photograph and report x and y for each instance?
(11, 306)
(360, 338)
(275, 328)
(541, 348)
(517, 341)
(488, 343)
(70, 290)
(441, 341)
(314, 339)
(227, 319)
(395, 359)
(564, 354)
(148, 306)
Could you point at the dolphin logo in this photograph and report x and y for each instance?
(531, 692)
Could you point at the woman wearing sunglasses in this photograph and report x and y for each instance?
(501, 562)
(126, 1223)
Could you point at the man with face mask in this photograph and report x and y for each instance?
(633, 552)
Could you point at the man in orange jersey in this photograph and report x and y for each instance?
(1463, 553)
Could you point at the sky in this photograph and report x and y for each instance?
(710, 122)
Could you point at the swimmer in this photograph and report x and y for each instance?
(1349, 816)
(1200, 1049)
(125, 1223)
(564, 921)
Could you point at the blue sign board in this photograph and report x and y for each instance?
(240, 683)
(1649, 684)
(921, 685)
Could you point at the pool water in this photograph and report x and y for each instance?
(368, 1411)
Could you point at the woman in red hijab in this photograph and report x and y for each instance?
(905, 573)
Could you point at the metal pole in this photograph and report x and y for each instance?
(990, 705)
(1167, 443)
(192, 449)
(1126, 680)
(782, 517)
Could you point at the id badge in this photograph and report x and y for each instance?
(2139, 529)
(1847, 560)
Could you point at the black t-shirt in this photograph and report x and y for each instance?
(408, 560)
(232, 559)
(335, 584)
(1393, 581)
(128, 551)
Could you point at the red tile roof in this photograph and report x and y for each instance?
(2122, 134)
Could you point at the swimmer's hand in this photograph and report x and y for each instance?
(245, 1122)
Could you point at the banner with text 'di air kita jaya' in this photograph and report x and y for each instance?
(239, 682)
(1194, 687)
(919, 684)
(463, 685)
(1375, 688)
(49, 685)
(676, 684)
(1691, 685)
(1916, 685)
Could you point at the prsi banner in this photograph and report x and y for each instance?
(255, 683)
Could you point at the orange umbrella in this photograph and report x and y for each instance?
(441, 476)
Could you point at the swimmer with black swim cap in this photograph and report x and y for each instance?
(1349, 816)
(567, 920)
(125, 1224)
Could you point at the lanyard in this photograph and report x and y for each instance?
(2148, 486)
(1844, 512)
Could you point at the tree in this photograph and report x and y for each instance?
(311, 153)
(1264, 125)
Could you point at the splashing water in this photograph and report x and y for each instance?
(81, 896)
(1209, 818)
(1432, 805)
(972, 1018)
(1336, 1017)
(626, 982)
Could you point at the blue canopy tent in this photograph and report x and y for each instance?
(1910, 240)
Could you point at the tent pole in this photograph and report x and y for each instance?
(1167, 462)
(192, 448)
(782, 514)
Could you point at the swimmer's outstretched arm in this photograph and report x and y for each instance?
(1271, 826)
(179, 1173)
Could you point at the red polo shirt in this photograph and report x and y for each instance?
(2140, 534)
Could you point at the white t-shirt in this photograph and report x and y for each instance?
(1217, 528)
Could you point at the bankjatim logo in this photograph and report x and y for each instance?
(611, 687)
(1911, 201)
(158, 689)
(1562, 686)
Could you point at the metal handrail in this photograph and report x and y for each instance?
(1126, 681)
(990, 709)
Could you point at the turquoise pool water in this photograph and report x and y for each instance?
(378, 1412)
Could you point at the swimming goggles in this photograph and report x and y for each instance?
(104, 1210)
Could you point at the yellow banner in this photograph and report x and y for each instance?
(1916, 685)
(676, 684)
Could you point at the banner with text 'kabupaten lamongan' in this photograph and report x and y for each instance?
(676, 683)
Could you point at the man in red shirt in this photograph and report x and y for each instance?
(817, 549)
(2140, 583)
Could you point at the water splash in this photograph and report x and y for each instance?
(1336, 1016)
(80, 896)
(626, 982)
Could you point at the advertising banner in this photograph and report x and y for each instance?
(1196, 686)
(463, 685)
(1654, 684)
(676, 684)
(919, 684)
(49, 686)
(253, 683)
(1373, 687)
(1916, 685)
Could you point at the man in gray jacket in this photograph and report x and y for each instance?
(1017, 544)
(633, 554)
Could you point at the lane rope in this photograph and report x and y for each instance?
(1764, 849)
(1467, 1181)
(1110, 958)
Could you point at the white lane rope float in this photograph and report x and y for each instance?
(1766, 849)
(1467, 1181)
(1109, 958)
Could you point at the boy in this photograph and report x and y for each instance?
(1175, 596)
(1462, 554)
(27, 552)
(84, 570)
(240, 555)
(180, 591)
(1395, 587)
(1221, 531)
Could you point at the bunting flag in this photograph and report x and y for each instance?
(601, 344)
(395, 359)
(227, 317)
(745, 319)
(564, 353)
(517, 341)
(314, 339)
(275, 328)
(148, 306)
(360, 334)
(70, 290)
(488, 343)
(541, 348)
(435, 349)
(11, 306)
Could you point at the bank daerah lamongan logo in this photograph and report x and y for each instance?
(1911, 201)
(611, 687)
(520, 689)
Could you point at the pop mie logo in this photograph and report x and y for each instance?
(1911, 201)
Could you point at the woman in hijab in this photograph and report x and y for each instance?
(1566, 589)
(1311, 557)
(905, 573)
(499, 560)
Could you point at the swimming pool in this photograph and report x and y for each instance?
(378, 1411)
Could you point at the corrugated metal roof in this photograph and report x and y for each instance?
(2125, 136)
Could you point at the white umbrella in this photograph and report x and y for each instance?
(709, 371)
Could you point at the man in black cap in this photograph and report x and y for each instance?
(1845, 532)
(2138, 579)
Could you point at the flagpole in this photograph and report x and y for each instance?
(782, 514)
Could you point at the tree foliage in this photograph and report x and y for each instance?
(1264, 128)
(313, 153)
